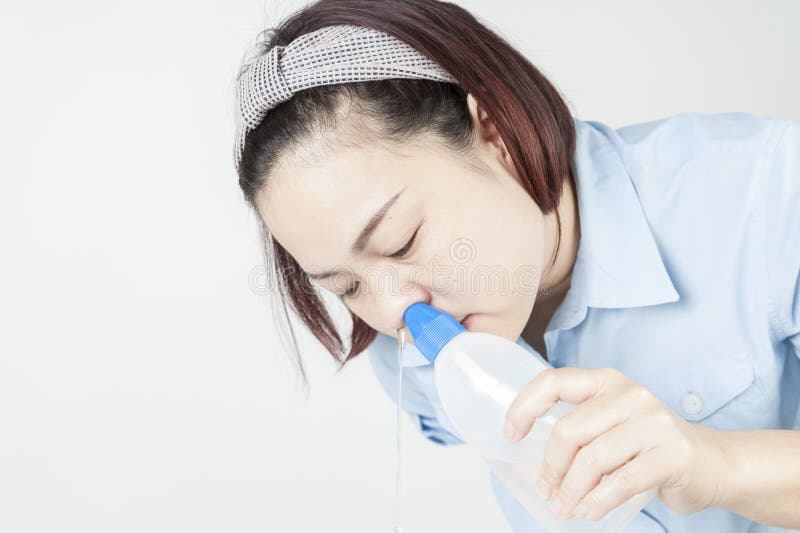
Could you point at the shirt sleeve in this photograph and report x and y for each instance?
(783, 234)
(415, 403)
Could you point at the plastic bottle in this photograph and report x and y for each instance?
(477, 376)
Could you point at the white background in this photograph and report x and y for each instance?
(143, 386)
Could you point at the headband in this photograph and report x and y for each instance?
(332, 54)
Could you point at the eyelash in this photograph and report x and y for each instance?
(407, 248)
(351, 291)
(397, 255)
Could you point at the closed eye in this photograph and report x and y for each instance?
(402, 252)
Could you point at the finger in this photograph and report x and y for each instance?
(570, 384)
(646, 470)
(603, 455)
(586, 422)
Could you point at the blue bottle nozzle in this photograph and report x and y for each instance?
(431, 328)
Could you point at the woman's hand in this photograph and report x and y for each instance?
(621, 429)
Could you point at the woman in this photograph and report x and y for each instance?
(397, 152)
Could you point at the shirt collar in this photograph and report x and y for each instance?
(618, 264)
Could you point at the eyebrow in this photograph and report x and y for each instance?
(363, 237)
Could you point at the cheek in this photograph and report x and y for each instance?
(366, 314)
(501, 267)
(506, 266)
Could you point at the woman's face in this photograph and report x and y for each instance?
(464, 240)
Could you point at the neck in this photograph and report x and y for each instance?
(555, 281)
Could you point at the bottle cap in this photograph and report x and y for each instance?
(431, 328)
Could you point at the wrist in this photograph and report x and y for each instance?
(727, 468)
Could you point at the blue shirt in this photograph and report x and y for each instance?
(687, 279)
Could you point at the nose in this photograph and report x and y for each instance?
(386, 308)
(399, 306)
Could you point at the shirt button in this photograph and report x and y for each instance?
(692, 403)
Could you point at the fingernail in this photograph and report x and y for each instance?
(543, 489)
(509, 432)
(580, 510)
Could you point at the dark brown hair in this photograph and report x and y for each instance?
(530, 115)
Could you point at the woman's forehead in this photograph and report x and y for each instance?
(341, 181)
(315, 209)
(330, 189)
(320, 213)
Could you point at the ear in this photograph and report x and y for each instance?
(486, 131)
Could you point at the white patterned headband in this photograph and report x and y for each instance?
(333, 54)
